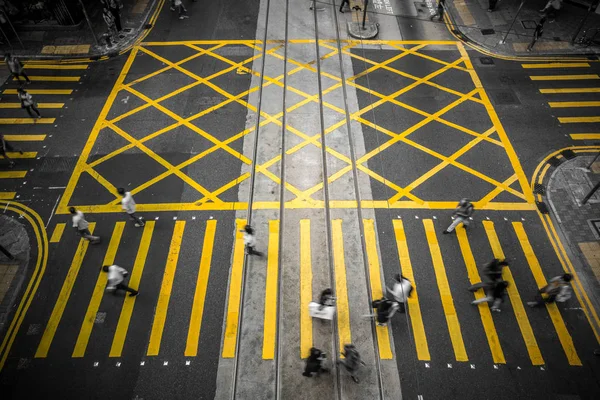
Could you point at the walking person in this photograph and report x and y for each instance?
(495, 295)
(128, 204)
(492, 272)
(82, 226)
(250, 241)
(462, 213)
(5, 147)
(342, 5)
(16, 68)
(28, 104)
(181, 8)
(114, 9)
(401, 291)
(558, 289)
(314, 363)
(385, 310)
(351, 361)
(114, 281)
(551, 9)
(109, 19)
(537, 33)
(440, 11)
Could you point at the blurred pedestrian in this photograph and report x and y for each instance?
(385, 310)
(314, 363)
(492, 273)
(5, 147)
(440, 11)
(462, 213)
(351, 361)
(495, 295)
(82, 226)
(250, 241)
(551, 9)
(128, 204)
(326, 299)
(113, 7)
(400, 291)
(492, 5)
(181, 8)
(109, 19)
(28, 104)
(347, 2)
(115, 279)
(537, 33)
(15, 67)
(558, 289)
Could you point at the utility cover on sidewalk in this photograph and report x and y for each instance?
(356, 30)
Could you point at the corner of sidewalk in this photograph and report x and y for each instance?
(471, 22)
(564, 185)
(76, 44)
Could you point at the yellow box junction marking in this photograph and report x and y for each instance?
(41, 91)
(564, 77)
(90, 315)
(566, 104)
(458, 344)
(413, 301)
(515, 298)
(193, 337)
(306, 330)
(162, 305)
(53, 78)
(116, 348)
(40, 105)
(63, 297)
(574, 120)
(57, 233)
(383, 334)
(209, 200)
(570, 90)
(270, 322)
(343, 311)
(235, 289)
(585, 136)
(484, 308)
(12, 174)
(559, 325)
(24, 138)
(556, 65)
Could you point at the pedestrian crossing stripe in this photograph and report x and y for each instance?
(12, 174)
(575, 120)
(564, 77)
(343, 312)
(53, 78)
(25, 138)
(556, 65)
(53, 66)
(40, 105)
(41, 91)
(585, 136)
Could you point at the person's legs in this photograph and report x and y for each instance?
(252, 252)
(126, 288)
(401, 307)
(139, 221)
(454, 224)
(482, 300)
(17, 76)
(24, 75)
(29, 111)
(34, 108)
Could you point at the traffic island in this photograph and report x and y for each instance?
(356, 30)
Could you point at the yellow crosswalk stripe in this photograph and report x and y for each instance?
(585, 136)
(570, 90)
(564, 77)
(12, 174)
(26, 154)
(270, 322)
(341, 289)
(383, 335)
(458, 344)
(162, 306)
(116, 348)
(566, 104)
(63, 297)
(22, 121)
(40, 91)
(574, 120)
(515, 299)
(57, 233)
(90, 315)
(193, 337)
(556, 65)
(235, 289)
(484, 308)
(24, 138)
(559, 324)
(53, 78)
(40, 105)
(7, 195)
(306, 330)
(413, 301)
(53, 66)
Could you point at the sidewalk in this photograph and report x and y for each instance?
(52, 42)
(487, 29)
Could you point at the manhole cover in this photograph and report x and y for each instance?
(487, 31)
(539, 189)
(556, 39)
(529, 24)
(505, 98)
(486, 60)
(568, 154)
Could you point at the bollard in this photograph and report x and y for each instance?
(365, 14)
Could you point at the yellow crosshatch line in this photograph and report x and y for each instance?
(401, 197)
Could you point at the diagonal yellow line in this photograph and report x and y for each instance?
(492, 195)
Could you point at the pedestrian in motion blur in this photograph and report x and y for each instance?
(462, 213)
(28, 104)
(537, 33)
(558, 289)
(314, 363)
(113, 7)
(5, 147)
(82, 226)
(400, 291)
(128, 204)
(440, 11)
(385, 310)
(351, 361)
(495, 295)
(15, 67)
(342, 5)
(116, 276)
(492, 273)
(250, 241)
(181, 9)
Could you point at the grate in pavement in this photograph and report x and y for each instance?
(505, 97)
(539, 189)
(34, 329)
(488, 31)
(568, 154)
(100, 317)
(486, 60)
(555, 162)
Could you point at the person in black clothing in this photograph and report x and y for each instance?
(492, 272)
(314, 363)
(342, 5)
(113, 7)
(386, 309)
(6, 147)
(440, 11)
(495, 295)
(539, 30)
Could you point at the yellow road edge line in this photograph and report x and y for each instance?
(270, 319)
(235, 289)
(585, 136)
(563, 77)
(484, 308)
(25, 138)
(341, 288)
(574, 120)
(566, 104)
(193, 337)
(166, 287)
(57, 233)
(41, 91)
(559, 324)
(413, 301)
(383, 334)
(306, 330)
(452, 321)
(570, 90)
(63, 297)
(556, 65)
(116, 349)
(515, 299)
(12, 174)
(90, 315)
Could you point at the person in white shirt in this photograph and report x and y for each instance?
(116, 276)
(82, 225)
(401, 291)
(128, 205)
(250, 241)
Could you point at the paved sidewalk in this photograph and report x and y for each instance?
(77, 41)
(487, 29)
